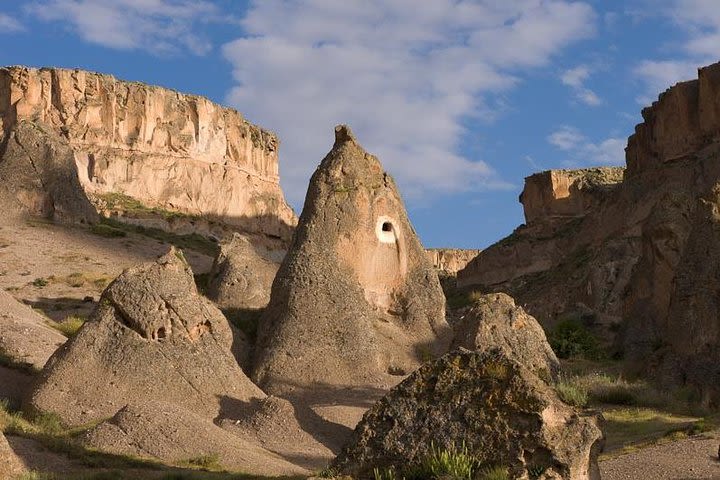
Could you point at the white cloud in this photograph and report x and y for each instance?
(158, 26)
(575, 78)
(582, 151)
(404, 74)
(9, 25)
(700, 20)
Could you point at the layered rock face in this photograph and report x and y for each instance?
(501, 412)
(169, 150)
(642, 254)
(451, 260)
(356, 301)
(152, 338)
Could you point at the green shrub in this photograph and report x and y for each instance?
(572, 393)
(570, 338)
(40, 282)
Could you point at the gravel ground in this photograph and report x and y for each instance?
(693, 458)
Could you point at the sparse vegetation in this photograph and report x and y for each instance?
(40, 282)
(9, 362)
(107, 231)
(192, 241)
(209, 462)
(572, 393)
(494, 473)
(132, 206)
(454, 463)
(70, 326)
(571, 339)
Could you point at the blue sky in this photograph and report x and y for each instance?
(460, 99)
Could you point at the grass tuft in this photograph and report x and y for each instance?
(70, 326)
(572, 393)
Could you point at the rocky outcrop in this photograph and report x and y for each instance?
(503, 414)
(151, 338)
(25, 337)
(640, 256)
(173, 434)
(451, 260)
(495, 322)
(356, 301)
(163, 148)
(242, 275)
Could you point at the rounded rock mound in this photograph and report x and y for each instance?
(152, 337)
(495, 321)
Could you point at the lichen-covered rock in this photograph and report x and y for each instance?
(502, 413)
(241, 277)
(494, 321)
(356, 301)
(173, 434)
(24, 335)
(152, 337)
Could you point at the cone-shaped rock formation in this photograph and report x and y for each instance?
(356, 301)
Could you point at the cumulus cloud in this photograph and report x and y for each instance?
(700, 20)
(9, 25)
(158, 26)
(582, 151)
(404, 74)
(575, 78)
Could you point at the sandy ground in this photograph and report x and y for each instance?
(61, 270)
(692, 458)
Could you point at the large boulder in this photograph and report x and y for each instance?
(25, 337)
(152, 337)
(241, 276)
(356, 301)
(173, 434)
(502, 413)
(494, 321)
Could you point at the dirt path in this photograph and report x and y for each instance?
(694, 458)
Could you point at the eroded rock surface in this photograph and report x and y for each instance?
(152, 337)
(451, 260)
(166, 149)
(504, 414)
(242, 275)
(495, 322)
(25, 336)
(174, 434)
(356, 301)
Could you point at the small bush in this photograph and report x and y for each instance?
(40, 282)
(572, 393)
(70, 326)
(570, 338)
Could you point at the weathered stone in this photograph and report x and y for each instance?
(173, 434)
(25, 336)
(495, 322)
(165, 149)
(241, 276)
(500, 411)
(152, 337)
(11, 466)
(451, 260)
(356, 301)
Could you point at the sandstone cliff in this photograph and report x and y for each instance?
(165, 149)
(637, 255)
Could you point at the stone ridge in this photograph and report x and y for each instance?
(164, 148)
(683, 120)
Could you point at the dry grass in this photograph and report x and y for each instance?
(70, 326)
